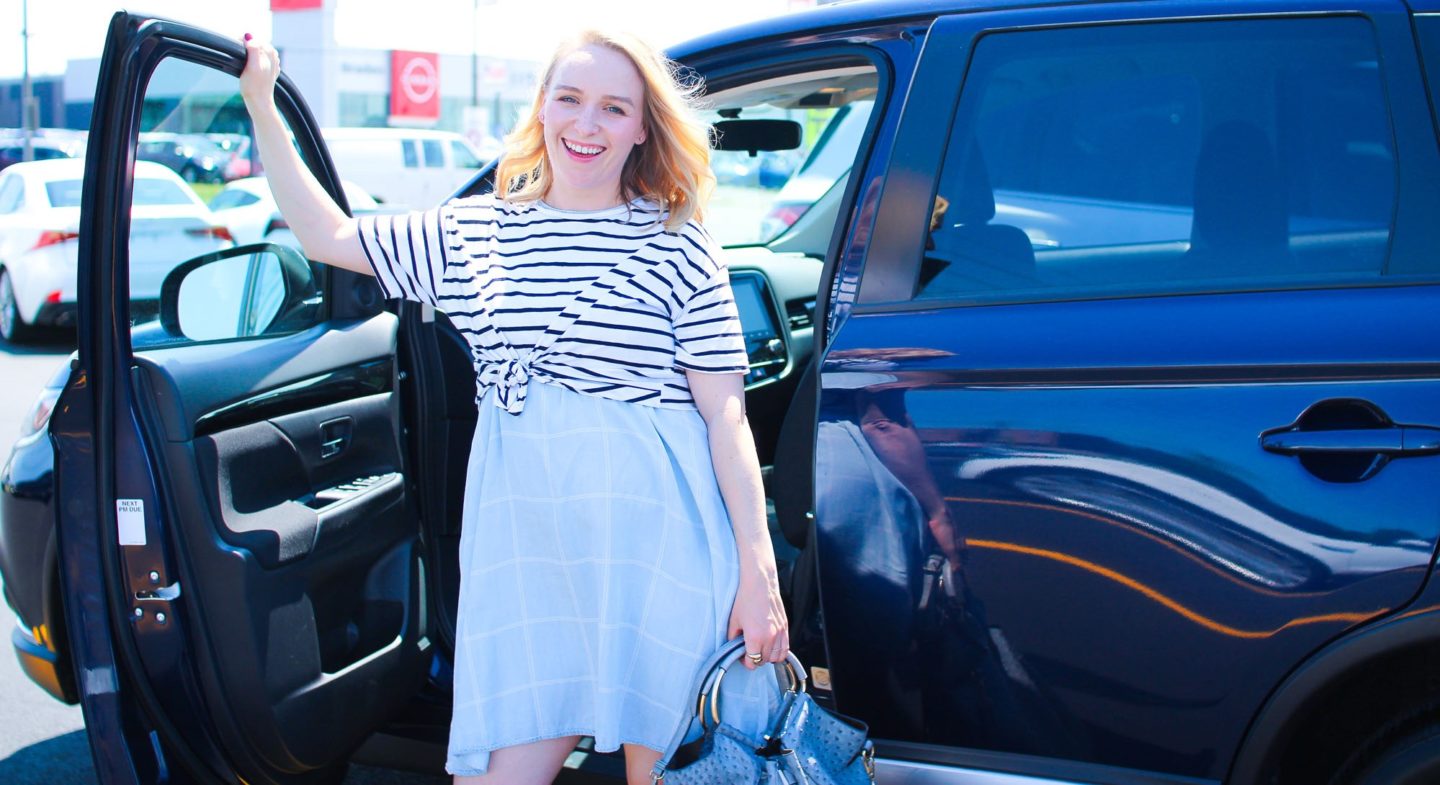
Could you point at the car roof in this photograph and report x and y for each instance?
(35, 141)
(845, 15)
(388, 133)
(70, 168)
(258, 186)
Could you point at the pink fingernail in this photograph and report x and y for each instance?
(247, 36)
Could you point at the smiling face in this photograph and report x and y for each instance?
(593, 116)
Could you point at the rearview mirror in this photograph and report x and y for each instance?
(241, 292)
(755, 135)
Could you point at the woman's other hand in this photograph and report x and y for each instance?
(759, 615)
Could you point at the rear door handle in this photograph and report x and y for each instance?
(1394, 441)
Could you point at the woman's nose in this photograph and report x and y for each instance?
(585, 121)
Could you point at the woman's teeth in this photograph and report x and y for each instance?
(581, 149)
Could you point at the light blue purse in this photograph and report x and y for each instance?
(806, 745)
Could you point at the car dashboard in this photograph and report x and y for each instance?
(775, 295)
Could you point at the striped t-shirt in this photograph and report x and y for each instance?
(601, 302)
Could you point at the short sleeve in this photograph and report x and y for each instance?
(708, 335)
(407, 252)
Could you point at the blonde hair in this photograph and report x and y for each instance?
(672, 166)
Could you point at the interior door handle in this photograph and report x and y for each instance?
(1395, 440)
(334, 437)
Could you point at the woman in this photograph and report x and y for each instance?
(614, 525)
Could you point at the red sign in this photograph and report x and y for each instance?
(295, 5)
(415, 85)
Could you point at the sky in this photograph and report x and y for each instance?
(72, 29)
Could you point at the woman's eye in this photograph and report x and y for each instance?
(615, 110)
(569, 99)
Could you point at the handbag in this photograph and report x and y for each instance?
(806, 745)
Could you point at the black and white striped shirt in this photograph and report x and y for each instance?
(601, 302)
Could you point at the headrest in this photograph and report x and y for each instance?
(973, 202)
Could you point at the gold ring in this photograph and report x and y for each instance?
(755, 657)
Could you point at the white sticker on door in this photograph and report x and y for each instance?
(130, 520)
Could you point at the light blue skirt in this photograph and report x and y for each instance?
(598, 569)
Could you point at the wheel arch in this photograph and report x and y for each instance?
(1338, 697)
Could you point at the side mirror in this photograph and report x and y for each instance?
(240, 292)
(755, 135)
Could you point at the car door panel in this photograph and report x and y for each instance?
(310, 560)
(275, 496)
(207, 387)
(1148, 526)
(1133, 571)
(265, 593)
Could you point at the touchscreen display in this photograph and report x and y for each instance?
(754, 316)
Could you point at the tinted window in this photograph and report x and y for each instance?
(226, 200)
(464, 159)
(11, 191)
(1427, 32)
(1193, 156)
(162, 192)
(434, 153)
(64, 193)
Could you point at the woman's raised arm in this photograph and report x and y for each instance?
(324, 231)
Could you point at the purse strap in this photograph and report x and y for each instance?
(707, 678)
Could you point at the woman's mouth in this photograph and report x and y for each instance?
(581, 152)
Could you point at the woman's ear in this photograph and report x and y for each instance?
(641, 138)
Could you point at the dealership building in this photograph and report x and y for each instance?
(344, 86)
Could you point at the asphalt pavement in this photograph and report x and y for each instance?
(42, 741)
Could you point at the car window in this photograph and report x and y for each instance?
(195, 108)
(150, 191)
(434, 153)
(412, 153)
(232, 198)
(464, 159)
(64, 193)
(764, 198)
(11, 192)
(1165, 157)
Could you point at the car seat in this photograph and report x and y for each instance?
(1240, 225)
(966, 253)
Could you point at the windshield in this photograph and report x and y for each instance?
(759, 197)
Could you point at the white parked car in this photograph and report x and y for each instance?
(247, 207)
(39, 220)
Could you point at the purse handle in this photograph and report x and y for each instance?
(707, 685)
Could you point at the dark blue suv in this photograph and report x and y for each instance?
(1098, 388)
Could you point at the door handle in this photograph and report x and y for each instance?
(334, 437)
(1397, 440)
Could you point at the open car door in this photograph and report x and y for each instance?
(241, 569)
